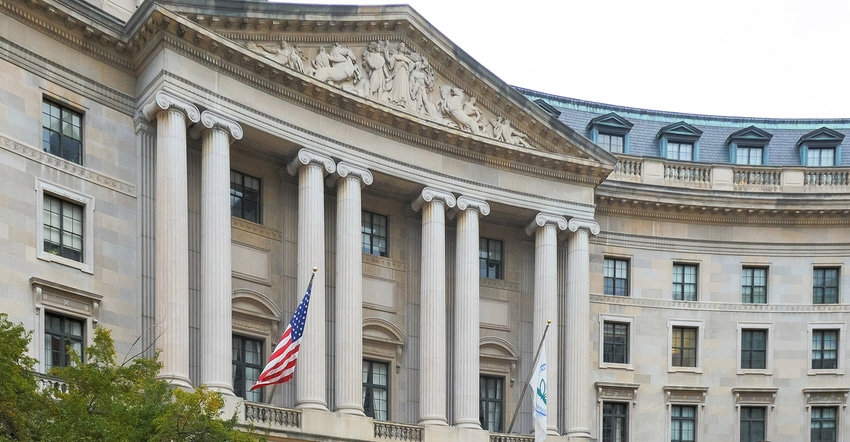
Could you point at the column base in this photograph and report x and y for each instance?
(224, 389)
(355, 410)
(578, 434)
(434, 421)
(468, 423)
(312, 405)
(176, 381)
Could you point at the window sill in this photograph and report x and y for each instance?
(834, 372)
(616, 366)
(697, 370)
(81, 266)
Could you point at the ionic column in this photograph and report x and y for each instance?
(216, 318)
(432, 309)
(466, 340)
(545, 229)
(348, 342)
(578, 340)
(311, 373)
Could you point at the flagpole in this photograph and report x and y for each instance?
(530, 374)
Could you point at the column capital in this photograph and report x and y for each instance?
(211, 119)
(306, 157)
(430, 194)
(345, 169)
(541, 219)
(164, 101)
(580, 223)
(465, 202)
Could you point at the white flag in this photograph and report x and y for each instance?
(538, 394)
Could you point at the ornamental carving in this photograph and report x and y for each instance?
(397, 75)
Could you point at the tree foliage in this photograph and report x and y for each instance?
(103, 399)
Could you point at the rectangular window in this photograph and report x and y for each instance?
(374, 233)
(247, 365)
(824, 424)
(61, 336)
(750, 155)
(63, 228)
(376, 389)
(62, 132)
(754, 349)
(825, 286)
(245, 196)
(616, 277)
(492, 395)
(616, 343)
(684, 347)
(611, 143)
(824, 349)
(490, 258)
(754, 285)
(683, 423)
(680, 151)
(821, 157)
(685, 282)
(615, 422)
(753, 424)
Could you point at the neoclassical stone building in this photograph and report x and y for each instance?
(174, 170)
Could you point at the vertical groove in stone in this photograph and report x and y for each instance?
(216, 341)
(545, 309)
(172, 255)
(311, 370)
(349, 298)
(433, 315)
(466, 314)
(147, 191)
(578, 339)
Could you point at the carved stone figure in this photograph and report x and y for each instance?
(374, 63)
(464, 114)
(421, 85)
(289, 56)
(397, 70)
(502, 131)
(338, 67)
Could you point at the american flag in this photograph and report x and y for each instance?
(281, 365)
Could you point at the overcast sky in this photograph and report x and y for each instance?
(754, 58)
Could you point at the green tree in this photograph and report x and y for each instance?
(20, 402)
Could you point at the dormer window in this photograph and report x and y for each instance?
(748, 146)
(821, 147)
(679, 141)
(610, 132)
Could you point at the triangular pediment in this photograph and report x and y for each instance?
(823, 137)
(680, 130)
(611, 121)
(752, 135)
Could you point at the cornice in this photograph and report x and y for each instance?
(718, 306)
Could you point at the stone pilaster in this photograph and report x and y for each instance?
(348, 342)
(216, 317)
(432, 320)
(466, 337)
(172, 115)
(578, 363)
(311, 370)
(545, 228)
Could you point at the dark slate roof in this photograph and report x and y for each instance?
(783, 148)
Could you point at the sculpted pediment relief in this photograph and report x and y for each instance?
(394, 74)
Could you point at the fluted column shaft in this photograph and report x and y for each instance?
(348, 345)
(172, 229)
(432, 320)
(545, 228)
(216, 316)
(578, 340)
(311, 372)
(467, 312)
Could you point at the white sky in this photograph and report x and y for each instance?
(754, 58)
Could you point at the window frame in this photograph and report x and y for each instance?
(372, 235)
(500, 402)
(836, 420)
(824, 287)
(747, 139)
(259, 203)
(608, 136)
(625, 320)
(236, 365)
(64, 338)
(840, 329)
(87, 203)
(625, 416)
(674, 418)
(678, 150)
(63, 108)
(752, 286)
(740, 421)
(767, 328)
(676, 395)
(684, 266)
(484, 272)
(366, 385)
(627, 278)
(611, 125)
(699, 327)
